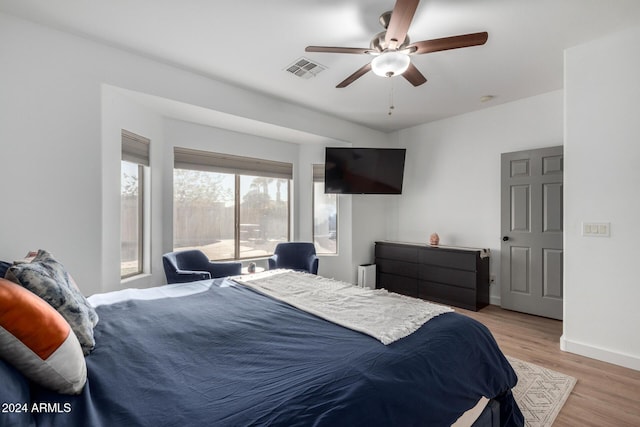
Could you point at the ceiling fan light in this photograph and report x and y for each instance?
(390, 63)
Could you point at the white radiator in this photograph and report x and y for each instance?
(367, 276)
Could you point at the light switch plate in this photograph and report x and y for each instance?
(596, 229)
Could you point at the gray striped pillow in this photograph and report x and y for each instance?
(47, 278)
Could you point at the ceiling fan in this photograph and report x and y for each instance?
(392, 48)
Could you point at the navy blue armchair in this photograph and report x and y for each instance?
(192, 265)
(299, 256)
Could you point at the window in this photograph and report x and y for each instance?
(229, 207)
(325, 215)
(264, 214)
(135, 159)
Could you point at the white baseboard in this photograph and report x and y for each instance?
(620, 359)
(598, 353)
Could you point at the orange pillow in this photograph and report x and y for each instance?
(38, 341)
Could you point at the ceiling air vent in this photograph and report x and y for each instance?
(305, 68)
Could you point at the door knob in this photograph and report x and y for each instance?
(505, 238)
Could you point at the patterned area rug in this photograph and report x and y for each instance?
(540, 392)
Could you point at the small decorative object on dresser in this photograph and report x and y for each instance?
(252, 267)
(434, 239)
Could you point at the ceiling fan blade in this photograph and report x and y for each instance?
(355, 76)
(446, 43)
(401, 17)
(414, 76)
(329, 49)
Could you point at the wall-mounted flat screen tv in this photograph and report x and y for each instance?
(349, 170)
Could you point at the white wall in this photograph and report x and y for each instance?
(452, 175)
(602, 174)
(50, 149)
(59, 136)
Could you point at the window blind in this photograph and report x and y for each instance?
(318, 173)
(135, 148)
(187, 158)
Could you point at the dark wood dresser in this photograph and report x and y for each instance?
(444, 274)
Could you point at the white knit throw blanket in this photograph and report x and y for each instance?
(384, 315)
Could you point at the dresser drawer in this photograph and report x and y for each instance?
(445, 294)
(398, 284)
(448, 276)
(401, 253)
(400, 268)
(446, 258)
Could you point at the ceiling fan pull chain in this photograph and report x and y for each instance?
(391, 106)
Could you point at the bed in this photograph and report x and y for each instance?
(219, 353)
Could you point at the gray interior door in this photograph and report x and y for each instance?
(531, 224)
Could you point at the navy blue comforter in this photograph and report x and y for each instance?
(232, 357)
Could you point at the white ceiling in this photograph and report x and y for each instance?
(251, 42)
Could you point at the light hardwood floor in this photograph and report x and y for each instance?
(605, 394)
